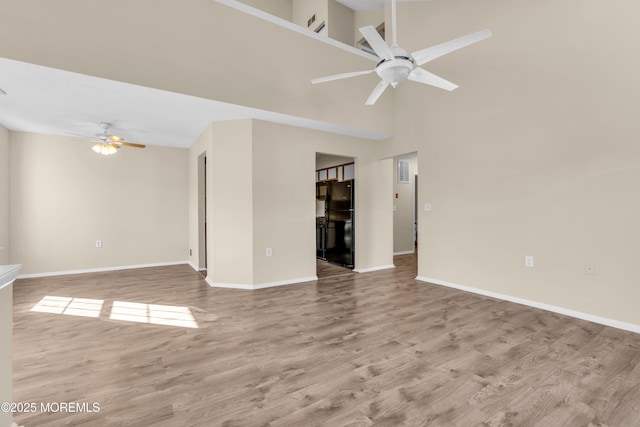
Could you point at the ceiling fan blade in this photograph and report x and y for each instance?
(377, 92)
(131, 144)
(429, 54)
(421, 76)
(340, 76)
(376, 42)
(114, 145)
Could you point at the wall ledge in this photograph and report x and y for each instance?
(535, 304)
(213, 284)
(101, 269)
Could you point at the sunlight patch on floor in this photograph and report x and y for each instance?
(71, 306)
(156, 314)
(152, 313)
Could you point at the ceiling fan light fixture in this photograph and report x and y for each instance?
(395, 71)
(104, 149)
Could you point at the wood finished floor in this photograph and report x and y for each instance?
(348, 350)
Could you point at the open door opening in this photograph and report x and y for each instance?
(335, 215)
(202, 213)
(405, 209)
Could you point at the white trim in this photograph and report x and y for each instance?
(101, 269)
(369, 269)
(213, 284)
(297, 28)
(8, 274)
(404, 252)
(195, 267)
(548, 307)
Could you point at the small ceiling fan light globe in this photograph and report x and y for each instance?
(97, 148)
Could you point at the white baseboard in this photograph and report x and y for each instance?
(98, 270)
(548, 307)
(404, 252)
(369, 269)
(213, 284)
(195, 267)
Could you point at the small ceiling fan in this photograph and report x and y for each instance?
(396, 64)
(108, 144)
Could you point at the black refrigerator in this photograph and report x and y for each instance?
(339, 241)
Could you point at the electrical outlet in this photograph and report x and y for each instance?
(528, 261)
(269, 252)
(98, 243)
(590, 268)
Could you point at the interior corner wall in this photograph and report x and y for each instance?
(64, 197)
(230, 210)
(403, 212)
(204, 144)
(341, 22)
(4, 195)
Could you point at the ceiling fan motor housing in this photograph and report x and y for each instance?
(395, 70)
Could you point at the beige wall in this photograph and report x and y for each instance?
(362, 18)
(403, 213)
(304, 9)
(231, 194)
(280, 8)
(6, 344)
(285, 201)
(528, 156)
(263, 196)
(4, 195)
(341, 21)
(64, 197)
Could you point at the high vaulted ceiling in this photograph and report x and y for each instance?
(67, 79)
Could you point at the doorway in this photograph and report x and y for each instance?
(405, 197)
(202, 212)
(335, 214)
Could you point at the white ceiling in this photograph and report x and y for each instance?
(50, 101)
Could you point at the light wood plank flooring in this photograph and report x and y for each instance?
(348, 350)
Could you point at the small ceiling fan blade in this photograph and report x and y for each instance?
(429, 54)
(340, 76)
(422, 76)
(377, 92)
(131, 144)
(114, 145)
(376, 42)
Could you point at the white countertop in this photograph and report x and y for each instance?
(8, 274)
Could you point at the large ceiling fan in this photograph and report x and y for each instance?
(107, 144)
(396, 64)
